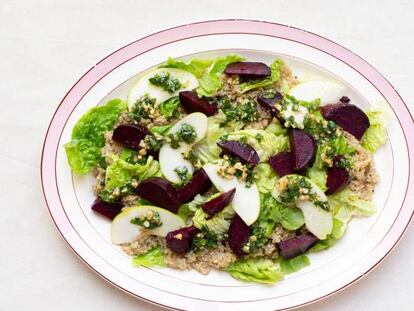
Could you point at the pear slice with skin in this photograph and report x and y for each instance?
(123, 231)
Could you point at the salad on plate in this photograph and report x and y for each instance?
(229, 164)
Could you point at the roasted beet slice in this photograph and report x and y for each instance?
(348, 116)
(159, 192)
(129, 135)
(179, 241)
(297, 245)
(199, 184)
(109, 210)
(251, 69)
(337, 179)
(282, 163)
(239, 234)
(303, 148)
(217, 204)
(192, 103)
(269, 103)
(244, 152)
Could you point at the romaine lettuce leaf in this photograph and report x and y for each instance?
(275, 76)
(210, 82)
(152, 258)
(120, 172)
(376, 135)
(265, 144)
(84, 150)
(294, 264)
(256, 270)
(196, 66)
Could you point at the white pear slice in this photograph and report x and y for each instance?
(328, 92)
(197, 120)
(143, 86)
(317, 220)
(246, 201)
(122, 231)
(171, 158)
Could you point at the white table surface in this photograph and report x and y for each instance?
(45, 46)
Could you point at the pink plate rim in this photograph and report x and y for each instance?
(214, 27)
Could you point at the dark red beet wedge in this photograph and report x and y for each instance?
(192, 103)
(159, 192)
(269, 103)
(297, 245)
(251, 69)
(337, 179)
(344, 99)
(348, 116)
(179, 241)
(282, 163)
(239, 234)
(303, 148)
(244, 152)
(217, 204)
(199, 184)
(109, 210)
(129, 135)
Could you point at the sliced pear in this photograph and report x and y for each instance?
(329, 92)
(197, 120)
(317, 220)
(246, 201)
(171, 158)
(143, 86)
(122, 231)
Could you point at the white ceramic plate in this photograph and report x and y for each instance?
(367, 241)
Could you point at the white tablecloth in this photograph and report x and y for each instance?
(45, 46)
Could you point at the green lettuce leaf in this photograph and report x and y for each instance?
(120, 172)
(188, 210)
(84, 150)
(265, 143)
(161, 129)
(294, 264)
(83, 155)
(276, 128)
(256, 270)
(265, 178)
(196, 66)
(169, 107)
(318, 173)
(275, 76)
(210, 83)
(154, 257)
(218, 224)
(376, 135)
(273, 212)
